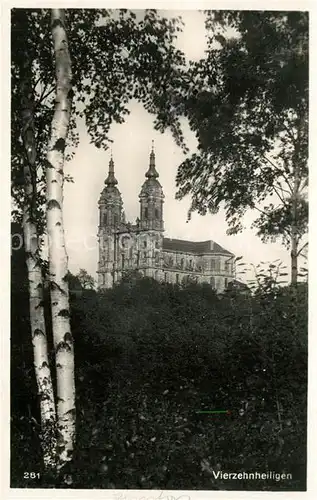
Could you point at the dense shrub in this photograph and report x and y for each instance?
(149, 356)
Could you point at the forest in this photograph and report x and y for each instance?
(111, 389)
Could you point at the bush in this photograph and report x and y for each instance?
(150, 355)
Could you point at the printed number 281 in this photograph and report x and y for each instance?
(31, 475)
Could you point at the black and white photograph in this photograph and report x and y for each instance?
(159, 250)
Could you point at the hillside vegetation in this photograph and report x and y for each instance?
(149, 356)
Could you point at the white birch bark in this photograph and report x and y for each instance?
(58, 260)
(35, 282)
(39, 342)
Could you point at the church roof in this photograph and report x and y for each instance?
(198, 247)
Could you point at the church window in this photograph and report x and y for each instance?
(122, 261)
(212, 282)
(105, 219)
(144, 244)
(157, 214)
(146, 212)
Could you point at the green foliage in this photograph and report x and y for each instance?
(248, 105)
(149, 355)
(85, 279)
(115, 56)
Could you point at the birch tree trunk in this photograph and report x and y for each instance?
(35, 279)
(294, 259)
(58, 260)
(295, 203)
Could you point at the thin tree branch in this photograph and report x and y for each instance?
(278, 194)
(290, 133)
(259, 210)
(283, 189)
(270, 161)
(279, 170)
(35, 84)
(302, 248)
(305, 184)
(48, 93)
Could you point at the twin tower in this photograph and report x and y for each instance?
(142, 248)
(123, 246)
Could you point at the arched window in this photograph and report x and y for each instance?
(146, 213)
(124, 241)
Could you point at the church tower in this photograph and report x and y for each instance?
(151, 220)
(151, 199)
(110, 217)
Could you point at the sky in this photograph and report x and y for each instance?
(131, 149)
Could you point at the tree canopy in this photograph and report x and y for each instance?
(116, 56)
(248, 105)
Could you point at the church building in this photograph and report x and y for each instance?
(142, 247)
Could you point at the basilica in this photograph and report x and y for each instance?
(141, 247)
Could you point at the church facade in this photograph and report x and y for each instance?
(125, 247)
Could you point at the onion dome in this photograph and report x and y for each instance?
(110, 191)
(152, 186)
